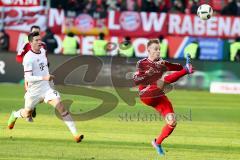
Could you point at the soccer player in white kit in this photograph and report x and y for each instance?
(36, 73)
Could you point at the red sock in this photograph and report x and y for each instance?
(166, 131)
(175, 76)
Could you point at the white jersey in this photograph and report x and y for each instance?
(37, 65)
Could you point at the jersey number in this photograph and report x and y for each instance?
(55, 92)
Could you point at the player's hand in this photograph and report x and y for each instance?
(161, 62)
(161, 65)
(48, 78)
(150, 72)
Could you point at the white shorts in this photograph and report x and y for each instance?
(32, 101)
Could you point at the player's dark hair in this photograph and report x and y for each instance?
(31, 35)
(37, 27)
(151, 41)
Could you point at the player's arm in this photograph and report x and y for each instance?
(144, 77)
(29, 76)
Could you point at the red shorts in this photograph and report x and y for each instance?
(161, 104)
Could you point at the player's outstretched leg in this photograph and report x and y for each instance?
(187, 69)
(12, 120)
(29, 119)
(66, 117)
(21, 113)
(34, 113)
(188, 65)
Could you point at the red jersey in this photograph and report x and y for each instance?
(25, 48)
(148, 83)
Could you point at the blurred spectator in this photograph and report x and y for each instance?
(163, 47)
(234, 48)
(100, 46)
(232, 8)
(71, 8)
(178, 7)
(164, 5)
(114, 5)
(81, 4)
(33, 28)
(217, 5)
(101, 11)
(70, 44)
(126, 48)
(4, 41)
(50, 41)
(237, 57)
(149, 6)
(193, 49)
(194, 6)
(75, 7)
(58, 3)
(91, 6)
(129, 5)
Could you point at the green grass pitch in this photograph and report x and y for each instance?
(208, 129)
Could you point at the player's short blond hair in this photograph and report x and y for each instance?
(152, 41)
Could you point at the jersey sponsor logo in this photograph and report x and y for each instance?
(2, 67)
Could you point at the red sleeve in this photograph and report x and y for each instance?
(21, 53)
(141, 77)
(173, 66)
(19, 59)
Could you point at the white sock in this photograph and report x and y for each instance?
(70, 123)
(18, 114)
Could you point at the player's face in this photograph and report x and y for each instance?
(36, 43)
(154, 51)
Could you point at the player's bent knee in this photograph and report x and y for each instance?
(172, 123)
(171, 119)
(54, 102)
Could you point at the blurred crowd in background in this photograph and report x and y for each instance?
(223, 7)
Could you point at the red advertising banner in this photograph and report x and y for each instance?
(122, 24)
(20, 3)
(217, 26)
(137, 24)
(56, 18)
(22, 18)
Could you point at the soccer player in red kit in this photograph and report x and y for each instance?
(149, 77)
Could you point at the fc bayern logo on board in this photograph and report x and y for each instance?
(84, 22)
(130, 21)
